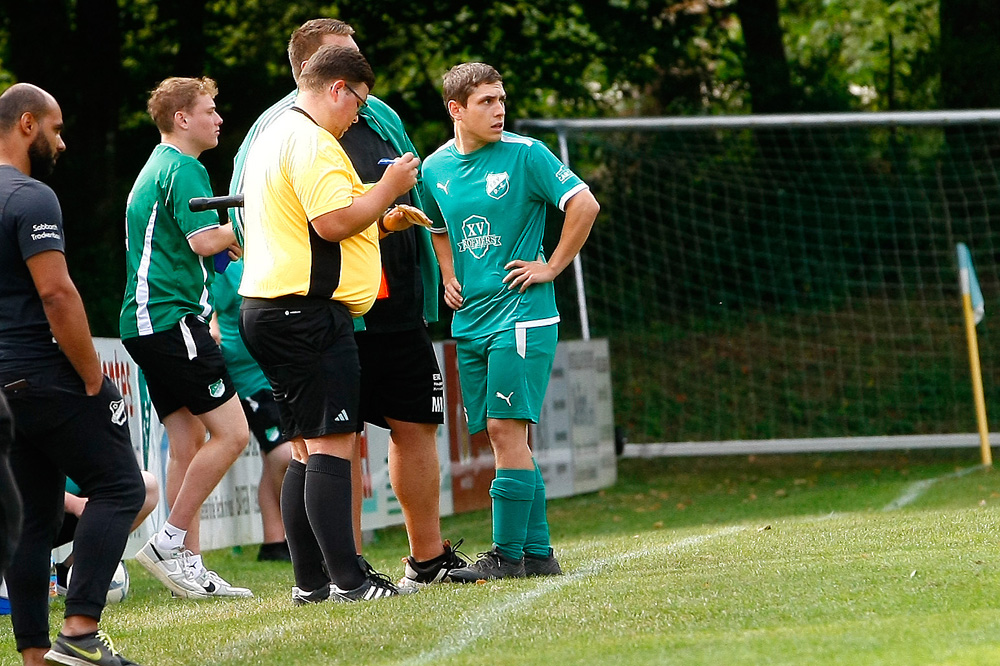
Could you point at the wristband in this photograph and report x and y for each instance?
(381, 224)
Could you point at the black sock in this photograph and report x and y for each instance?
(427, 564)
(307, 558)
(328, 505)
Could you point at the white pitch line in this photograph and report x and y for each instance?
(480, 625)
(918, 488)
(264, 637)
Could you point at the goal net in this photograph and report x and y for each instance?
(786, 276)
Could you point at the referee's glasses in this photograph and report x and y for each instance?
(364, 104)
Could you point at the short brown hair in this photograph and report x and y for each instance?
(178, 93)
(332, 62)
(307, 39)
(461, 80)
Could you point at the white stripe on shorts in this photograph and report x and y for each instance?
(521, 332)
(192, 349)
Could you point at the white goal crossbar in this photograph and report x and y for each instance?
(811, 445)
(563, 127)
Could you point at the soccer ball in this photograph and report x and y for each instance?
(118, 589)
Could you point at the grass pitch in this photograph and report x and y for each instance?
(885, 558)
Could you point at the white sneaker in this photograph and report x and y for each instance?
(171, 567)
(213, 585)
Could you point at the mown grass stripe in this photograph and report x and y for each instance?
(480, 625)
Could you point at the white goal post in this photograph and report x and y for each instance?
(786, 278)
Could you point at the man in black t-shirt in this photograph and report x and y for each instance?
(68, 417)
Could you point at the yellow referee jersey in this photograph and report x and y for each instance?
(295, 172)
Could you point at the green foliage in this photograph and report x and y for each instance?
(560, 58)
(841, 56)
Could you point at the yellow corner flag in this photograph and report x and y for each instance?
(973, 307)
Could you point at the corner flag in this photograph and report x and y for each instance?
(973, 309)
(969, 282)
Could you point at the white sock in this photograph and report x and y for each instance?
(195, 563)
(170, 537)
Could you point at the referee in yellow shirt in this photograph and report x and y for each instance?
(312, 263)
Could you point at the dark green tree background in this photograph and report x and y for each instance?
(559, 58)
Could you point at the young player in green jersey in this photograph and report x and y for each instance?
(164, 328)
(492, 188)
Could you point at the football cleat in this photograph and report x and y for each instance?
(490, 565)
(437, 571)
(300, 597)
(541, 566)
(376, 586)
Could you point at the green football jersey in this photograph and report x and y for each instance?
(239, 162)
(493, 201)
(166, 280)
(243, 369)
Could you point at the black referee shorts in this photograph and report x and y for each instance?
(306, 348)
(400, 378)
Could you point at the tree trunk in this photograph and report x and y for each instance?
(765, 63)
(188, 30)
(970, 54)
(97, 65)
(40, 45)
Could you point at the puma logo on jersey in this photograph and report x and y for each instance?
(506, 398)
(444, 186)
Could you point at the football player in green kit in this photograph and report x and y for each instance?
(492, 188)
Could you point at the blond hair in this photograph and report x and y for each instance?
(307, 39)
(178, 93)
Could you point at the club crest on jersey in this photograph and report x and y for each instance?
(497, 184)
(117, 408)
(476, 236)
(217, 389)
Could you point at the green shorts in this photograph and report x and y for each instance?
(504, 375)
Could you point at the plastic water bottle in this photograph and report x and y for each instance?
(52, 578)
(4, 601)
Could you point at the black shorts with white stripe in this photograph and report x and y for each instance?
(183, 367)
